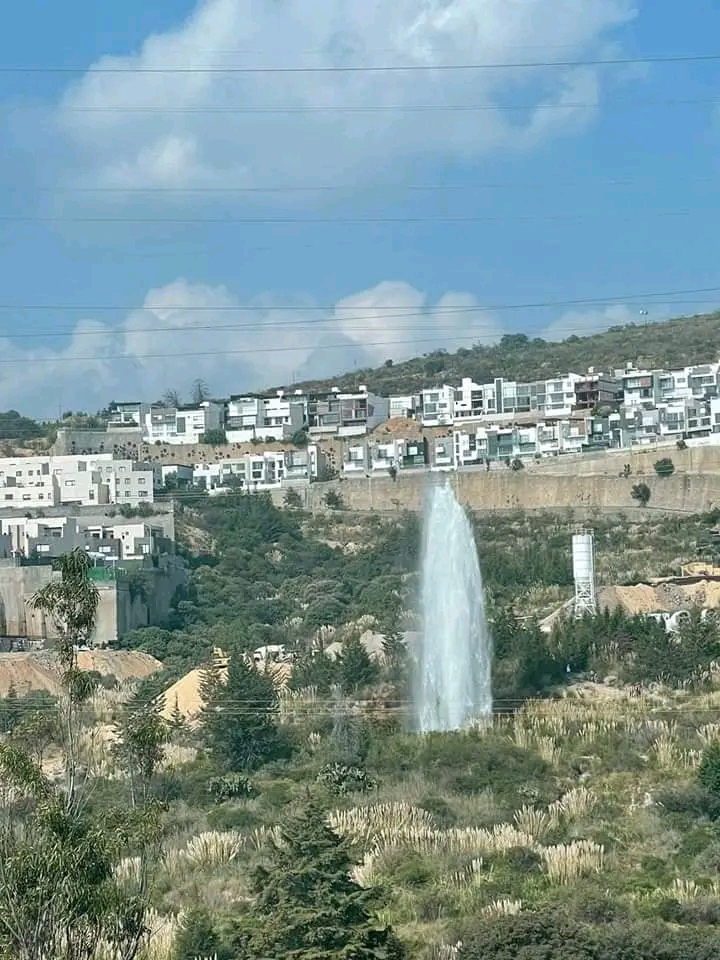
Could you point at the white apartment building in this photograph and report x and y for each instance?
(131, 415)
(403, 407)
(437, 406)
(265, 418)
(346, 414)
(182, 425)
(469, 400)
(254, 471)
(46, 481)
(50, 537)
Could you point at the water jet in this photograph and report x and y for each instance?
(452, 683)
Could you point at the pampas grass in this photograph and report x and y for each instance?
(213, 848)
(502, 908)
(567, 862)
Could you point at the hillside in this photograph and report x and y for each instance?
(673, 343)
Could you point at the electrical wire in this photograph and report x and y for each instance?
(94, 70)
(264, 109)
(387, 185)
(347, 221)
(405, 311)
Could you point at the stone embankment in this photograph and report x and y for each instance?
(530, 489)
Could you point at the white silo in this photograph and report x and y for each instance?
(584, 573)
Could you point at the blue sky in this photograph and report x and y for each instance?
(478, 190)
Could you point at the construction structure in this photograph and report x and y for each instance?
(583, 553)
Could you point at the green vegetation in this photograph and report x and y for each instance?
(641, 492)
(667, 345)
(214, 438)
(664, 467)
(307, 823)
(13, 426)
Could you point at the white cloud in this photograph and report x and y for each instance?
(583, 323)
(147, 129)
(183, 331)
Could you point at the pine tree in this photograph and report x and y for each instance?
(356, 668)
(308, 907)
(239, 718)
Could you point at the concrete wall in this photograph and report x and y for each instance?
(119, 609)
(700, 460)
(527, 490)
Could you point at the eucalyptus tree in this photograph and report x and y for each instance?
(64, 894)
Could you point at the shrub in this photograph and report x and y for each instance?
(197, 938)
(516, 465)
(215, 438)
(342, 779)
(333, 500)
(641, 493)
(230, 787)
(664, 467)
(357, 670)
(292, 499)
(709, 772)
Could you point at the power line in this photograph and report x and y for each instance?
(264, 109)
(332, 306)
(348, 221)
(427, 314)
(295, 348)
(385, 68)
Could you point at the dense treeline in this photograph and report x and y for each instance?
(275, 577)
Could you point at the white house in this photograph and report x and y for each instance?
(46, 481)
(182, 425)
(265, 418)
(437, 406)
(403, 407)
(346, 414)
(254, 471)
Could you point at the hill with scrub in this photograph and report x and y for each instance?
(670, 344)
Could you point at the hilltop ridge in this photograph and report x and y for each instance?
(678, 342)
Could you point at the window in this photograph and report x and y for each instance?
(9, 496)
(141, 481)
(82, 466)
(142, 493)
(69, 483)
(18, 473)
(27, 496)
(127, 480)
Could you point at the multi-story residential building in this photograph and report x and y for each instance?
(47, 481)
(346, 414)
(437, 406)
(265, 418)
(356, 457)
(50, 537)
(640, 387)
(254, 471)
(398, 453)
(404, 407)
(595, 390)
(469, 401)
(441, 453)
(369, 457)
(186, 425)
(127, 415)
